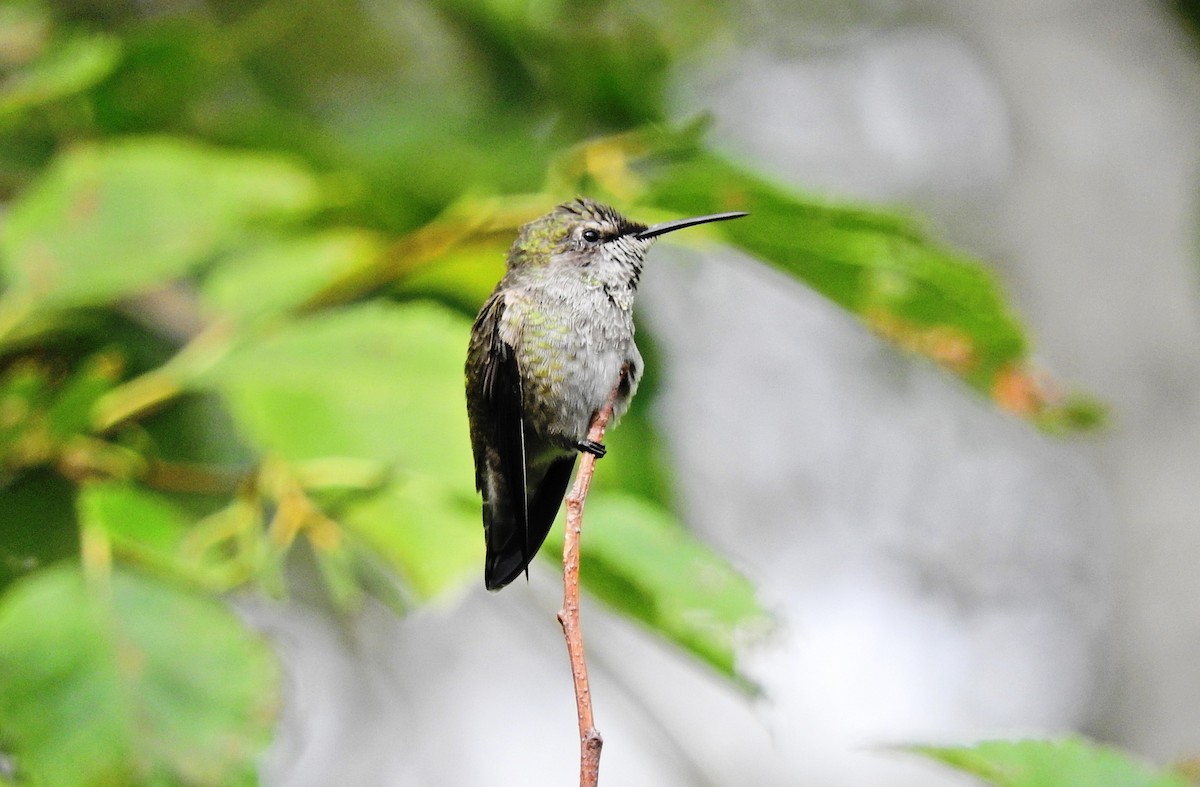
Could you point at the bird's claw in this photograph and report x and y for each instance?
(592, 447)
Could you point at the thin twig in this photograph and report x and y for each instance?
(590, 741)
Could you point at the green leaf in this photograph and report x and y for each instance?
(66, 67)
(640, 561)
(273, 279)
(377, 381)
(137, 521)
(123, 680)
(1064, 763)
(106, 221)
(432, 536)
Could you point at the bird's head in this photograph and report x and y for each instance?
(583, 233)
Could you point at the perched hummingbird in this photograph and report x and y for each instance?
(546, 352)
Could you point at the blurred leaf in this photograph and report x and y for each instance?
(340, 474)
(24, 31)
(196, 429)
(883, 268)
(376, 381)
(37, 523)
(593, 67)
(108, 220)
(878, 266)
(640, 561)
(25, 396)
(640, 466)
(377, 578)
(41, 415)
(1066, 763)
(462, 278)
(467, 229)
(128, 681)
(1189, 10)
(1188, 768)
(149, 529)
(415, 156)
(137, 522)
(171, 69)
(432, 537)
(273, 279)
(66, 67)
(71, 412)
(337, 563)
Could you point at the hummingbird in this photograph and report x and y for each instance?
(549, 346)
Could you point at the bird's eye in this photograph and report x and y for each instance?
(591, 236)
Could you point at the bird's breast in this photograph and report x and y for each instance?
(571, 351)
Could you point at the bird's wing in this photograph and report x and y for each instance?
(501, 401)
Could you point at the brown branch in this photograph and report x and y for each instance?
(590, 741)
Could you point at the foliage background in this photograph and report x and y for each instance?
(241, 247)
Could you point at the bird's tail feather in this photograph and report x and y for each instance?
(511, 543)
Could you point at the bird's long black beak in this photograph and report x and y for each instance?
(678, 224)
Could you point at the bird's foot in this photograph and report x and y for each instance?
(592, 447)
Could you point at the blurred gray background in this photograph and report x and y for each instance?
(940, 572)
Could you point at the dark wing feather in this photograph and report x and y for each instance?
(499, 421)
